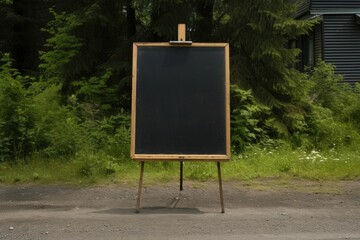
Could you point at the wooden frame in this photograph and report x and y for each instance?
(181, 157)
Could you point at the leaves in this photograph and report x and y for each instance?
(15, 117)
(248, 119)
(62, 47)
(6, 2)
(78, 97)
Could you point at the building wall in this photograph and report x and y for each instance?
(303, 6)
(341, 46)
(307, 6)
(318, 36)
(334, 4)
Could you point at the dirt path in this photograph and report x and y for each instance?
(263, 210)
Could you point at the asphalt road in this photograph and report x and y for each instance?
(300, 210)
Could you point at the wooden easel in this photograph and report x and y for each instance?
(138, 198)
(181, 41)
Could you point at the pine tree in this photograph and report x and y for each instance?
(88, 40)
(258, 32)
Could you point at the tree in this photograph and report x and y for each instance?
(91, 40)
(258, 32)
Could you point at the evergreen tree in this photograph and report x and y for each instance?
(88, 47)
(258, 32)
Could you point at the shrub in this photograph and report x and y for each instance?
(56, 127)
(16, 121)
(327, 132)
(328, 91)
(249, 119)
(110, 134)
(335, 108)
(351, 112)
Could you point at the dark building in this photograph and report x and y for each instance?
(336, 39)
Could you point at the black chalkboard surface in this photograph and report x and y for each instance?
(180, 102)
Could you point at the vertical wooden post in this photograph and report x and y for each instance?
(181, 32)
(181, 175)
(140, 187)
(220, 189)
(181, 37)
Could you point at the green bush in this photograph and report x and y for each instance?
(33, 120)
(56, 127)
(329, 92)
(109, 134)
(16, 120)
(95, 90)
(328, 132)
(351, 112)
(325, 88)
(335, 113)
(249, 119)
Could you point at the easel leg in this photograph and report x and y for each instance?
(181, 175)
(220, 189)
(140, 187)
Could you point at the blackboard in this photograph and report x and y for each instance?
(180, 102)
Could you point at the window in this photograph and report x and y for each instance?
(357, 18)
(310, 56)
(308, 50)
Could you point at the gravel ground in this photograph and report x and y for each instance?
(265, 210)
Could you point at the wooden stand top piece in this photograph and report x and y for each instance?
(181, 36)
(181, 32)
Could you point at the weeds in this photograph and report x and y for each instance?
(282, 163)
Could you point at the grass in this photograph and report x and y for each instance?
(282, 163)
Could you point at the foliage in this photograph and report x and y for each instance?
(62, 47)
(248, 119)
(95, 90)
(33, 121)
(6, 2)
(351, 112)
(325, 90)
(284, 161)
(335, 109)
(111, 135)
(259, 32)
(326, 132)
(279, 164)
(56, 127)
(16, 133)
(75, 106)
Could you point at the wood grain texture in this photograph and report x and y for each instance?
(133, 101)
(181, 32)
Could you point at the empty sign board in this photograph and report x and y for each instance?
(180, 102)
